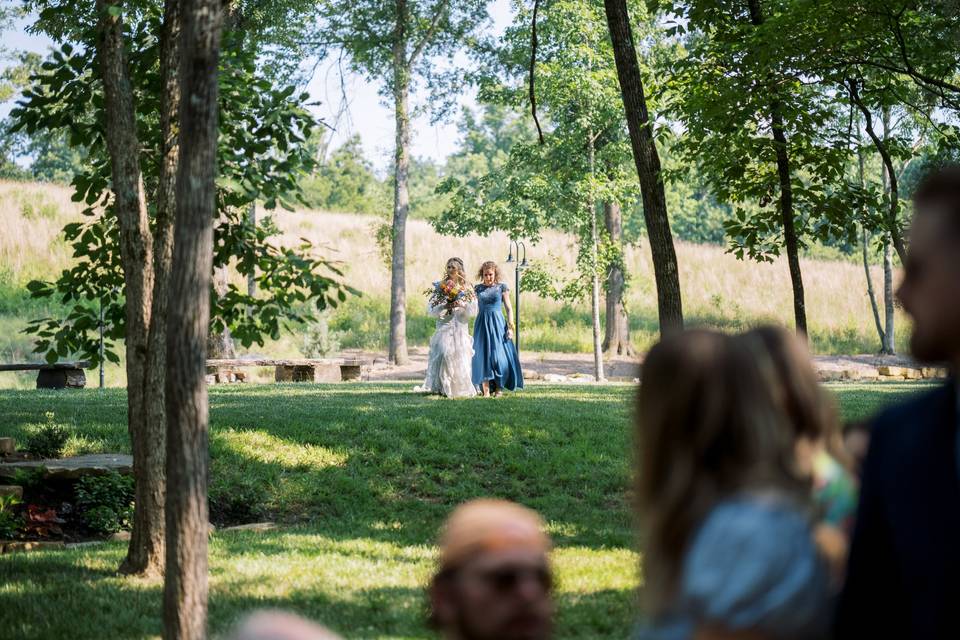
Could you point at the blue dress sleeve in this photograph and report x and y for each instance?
(753, 565)
(504, 287)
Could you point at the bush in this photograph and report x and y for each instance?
(318, 340)
(49, 440)
(9, 522)
(105, 502)
(236, 501)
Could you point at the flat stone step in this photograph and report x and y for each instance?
(75, 467)
(258, 527)
(14, 546)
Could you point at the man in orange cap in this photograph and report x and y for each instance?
(494, 579)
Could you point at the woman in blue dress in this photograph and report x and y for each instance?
(496, 363)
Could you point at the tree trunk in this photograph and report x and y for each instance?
(893, 226)
(616, 339)
(889, 182)
(401, 195)
(252, 277)
(220, 344)
(145, 554)
(185, 586)
(136, 255)
(889, 345)
(864, 243)
(647, 160)
(787, 220)
(787, 217)
(594, 272)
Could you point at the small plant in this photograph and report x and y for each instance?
(28, 478)
(9, 521)
(42, 522)
(105, 502)
(319, 341)
(49, 440)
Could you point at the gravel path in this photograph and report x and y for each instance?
(559, 367)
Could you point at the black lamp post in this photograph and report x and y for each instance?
(521, 264)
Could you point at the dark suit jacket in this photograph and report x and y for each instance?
(904, 574)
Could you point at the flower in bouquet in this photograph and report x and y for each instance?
(449, 294)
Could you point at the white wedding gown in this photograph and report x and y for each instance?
(451, 354)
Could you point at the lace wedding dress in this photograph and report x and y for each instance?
(451, 353)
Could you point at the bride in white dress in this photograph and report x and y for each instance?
(451, 348)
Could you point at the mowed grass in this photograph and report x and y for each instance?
(361, 476)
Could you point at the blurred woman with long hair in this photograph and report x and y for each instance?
(729, 550)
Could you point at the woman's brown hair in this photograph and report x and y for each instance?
(707, 428)
(811, 412)
(489, 264)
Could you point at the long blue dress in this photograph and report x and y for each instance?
(494, 357)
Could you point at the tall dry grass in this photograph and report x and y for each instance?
(718, 289)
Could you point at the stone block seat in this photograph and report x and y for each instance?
(292, 370)
(59, 375)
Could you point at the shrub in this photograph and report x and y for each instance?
(9, 521)
(318, 340)
(236, 502)
(105, 502)
(49, 440)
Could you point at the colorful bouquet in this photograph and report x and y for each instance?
(449, 294)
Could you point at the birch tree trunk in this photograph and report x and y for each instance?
(889, 306)
(185, 586)
(647, 160)
(401, 195)
(890, 185)
(594, 272)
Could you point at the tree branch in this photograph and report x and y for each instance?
(533, 63)
(432, 31)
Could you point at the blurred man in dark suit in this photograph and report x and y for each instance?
(904, 574)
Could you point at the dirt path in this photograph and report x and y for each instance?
(560, 367)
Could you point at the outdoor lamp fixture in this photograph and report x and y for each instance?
(522, 264)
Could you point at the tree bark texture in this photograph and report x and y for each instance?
(136, 255)
(147, 537)
(787, 216)
(185, 586)
(647, 160)
(401, 194)
(616, 340)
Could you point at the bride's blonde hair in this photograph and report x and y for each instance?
(460, 275)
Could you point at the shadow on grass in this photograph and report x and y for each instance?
(70, 594)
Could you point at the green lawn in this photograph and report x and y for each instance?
(362, 475)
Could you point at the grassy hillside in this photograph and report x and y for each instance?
(718, 289)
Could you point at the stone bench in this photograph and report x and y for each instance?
(60, 375)
(73, 467)
(295, 370)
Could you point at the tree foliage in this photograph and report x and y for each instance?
(263, 155)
